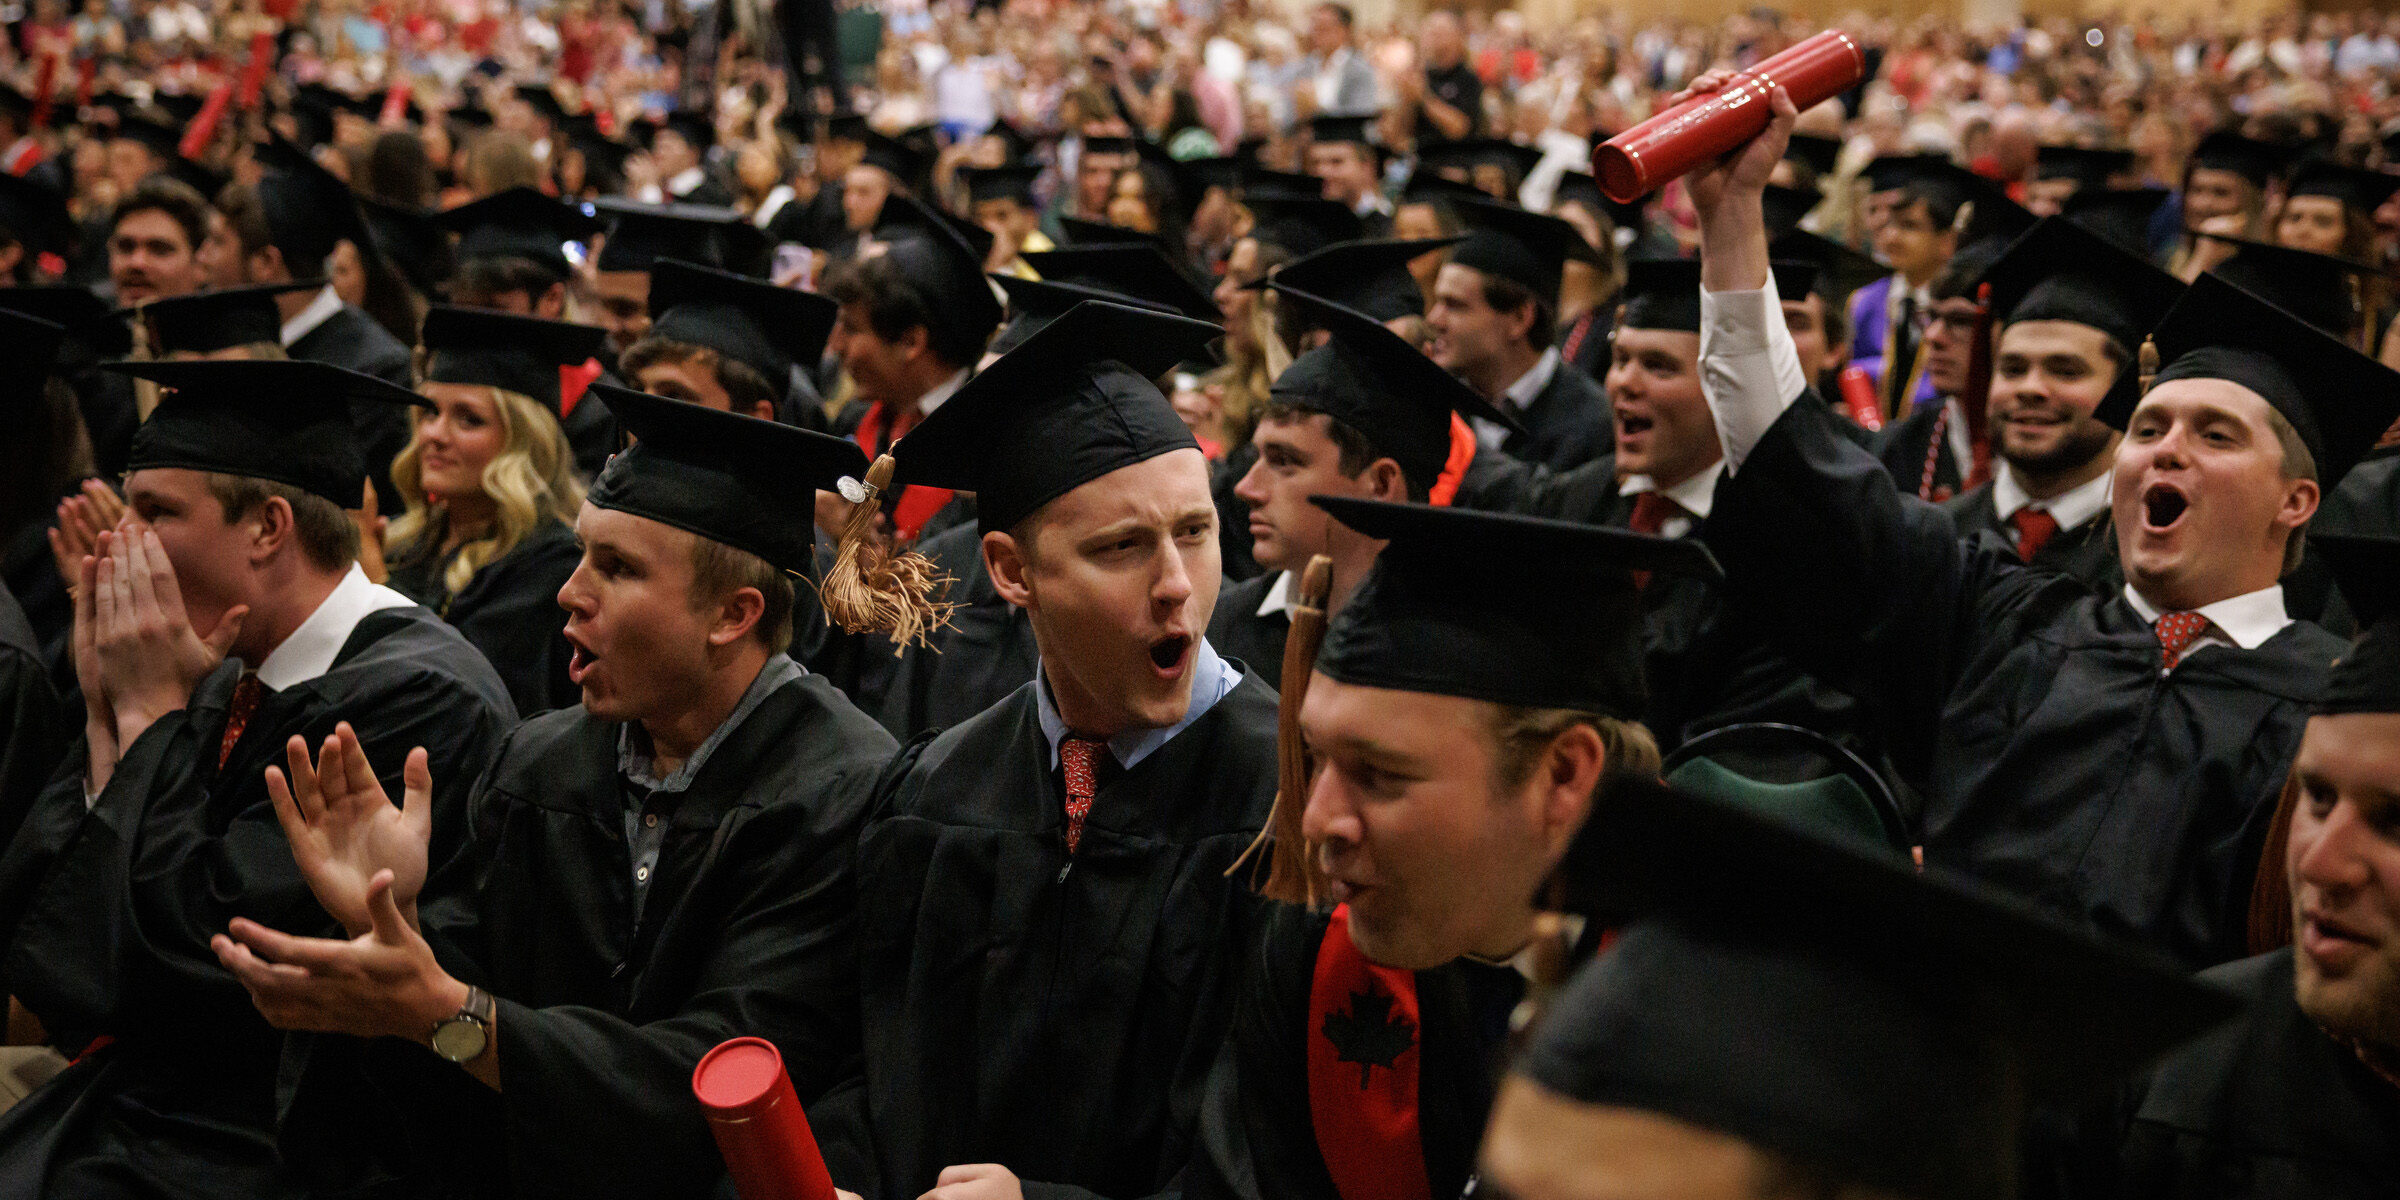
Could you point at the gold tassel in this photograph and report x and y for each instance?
(2148, 364)
(1292, 874)
(871, 589)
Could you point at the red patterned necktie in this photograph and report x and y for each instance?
(2034, 529)
(1081, 759)
(1650, 513)
(2175, 633)
(238, 711)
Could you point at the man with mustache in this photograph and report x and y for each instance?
(2071, 309)
(2114, 758)
(1052, 936)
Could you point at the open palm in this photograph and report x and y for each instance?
(344, 829)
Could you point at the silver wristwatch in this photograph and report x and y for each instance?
(466, 1034)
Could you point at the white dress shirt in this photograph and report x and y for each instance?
(1519, 396)
(2072, 509)
(319, 311)
(1693, 496)
(2244, 621)
(310, 650)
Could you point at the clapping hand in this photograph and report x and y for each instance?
(148, 656)
(82, 518)
(382, 983)
(345, 832)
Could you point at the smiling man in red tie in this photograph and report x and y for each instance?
(2115, 758)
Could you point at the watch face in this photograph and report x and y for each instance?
(458, 1039)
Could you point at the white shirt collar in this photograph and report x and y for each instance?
(1279, 597)
(2247, 620)
(2072, 508)
(310, 650)
(1694, 495)
(319, 311)
(1529, 385)
(767, 208)
(941, 391)
(687, 179)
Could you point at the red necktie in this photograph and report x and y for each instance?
(238, 711)
(1650, 513)
(2034, 529)
(2175, 633)
(1081, 759)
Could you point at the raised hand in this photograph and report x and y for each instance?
(1747, 169)
(150, 657)
(99, 718)
(372, 525)
(345, 832)
(382, 983)
(82, 518)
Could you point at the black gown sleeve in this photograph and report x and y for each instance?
(1257, 1140)
(515, 620)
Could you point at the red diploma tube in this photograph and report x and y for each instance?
(86, 69)
(1703, 129)
(45, 90)
(395, 105)
(204, 126)
(756, 1116)
(254, 72)
(1858, 398)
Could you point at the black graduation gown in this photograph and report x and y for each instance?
(2267, 1106)
(1238, 631)
(1709, 658)
(509, 611)
(1057, 1016)
(984, 654)
(350, 338)
(1903, 445)
(748, 929)
(107, 916)
(1567, 425)
(34, 726)
(2087, 552)
(2056, 760)
(2367, 500)
(1257, 1138)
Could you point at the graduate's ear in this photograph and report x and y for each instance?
(1008, 563)
(266, 262)
(276, 527)
(1385, 481)
(915, 341)
(551, 305)
(1569, 772)
(737, 615)
(2300, 497)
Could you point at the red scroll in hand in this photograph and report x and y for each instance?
(204, 126)
(1859, 399)
(1703, 129)
(756, 1116)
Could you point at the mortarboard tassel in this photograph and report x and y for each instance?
(870, 588)
(1292, 875)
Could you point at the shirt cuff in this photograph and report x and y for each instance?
(1749, 369)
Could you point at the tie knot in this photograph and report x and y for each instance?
(1651, 511)
(1078, 759)
(1079, 751)
(2034, 527)
(2176, 631)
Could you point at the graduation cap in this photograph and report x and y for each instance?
(1518, 611)
(2088, 166)
(2122, 215)
(2061, 271)
(1530, 248)
(1373, 381)
(285, 420)
(94, 331)
(198, 176)
(603, 156)
(178, 105)
(1267, 181)
(695, 128)
(1840, 270)
(408, 236)
(767, 328)
(1891, 172)
(1785, 206)
(901, 160)
(1817, 998)
(164, 141)
(1126, 270)
(1109, 144)
(846, 127)
(740, 481)
(15, 103)
(35, 214)
(2321, 289)
(1426, 186)
(2355, 187)
(1016, 142)
(543, 100)
(937, 258)
(1302, 224)
(2338, 400)
(1370, 277)
(2254, 160)
(2366, 678)
(1034, 303)
(640, 234)
(1815, 151)
(1011, 182)
(29, 350)
(519, 223)
(1469, 153)
(1223, 171)
(1993, 216)
(308, 211)
(1080, 231)
(219, 319)
(1069, 405)
(495, 349)
(1579, 187)
(1354, 128)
